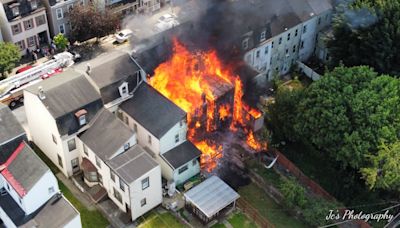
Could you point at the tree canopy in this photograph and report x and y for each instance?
(89, 22)
(60, 41)
(366, 33)
(9, 56)
(347, 115)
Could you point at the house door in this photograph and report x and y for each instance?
(75, 165)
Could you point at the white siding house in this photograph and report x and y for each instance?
(163, 136)
(57, 109)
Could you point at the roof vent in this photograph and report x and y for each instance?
(286, 29)
(42, 95)
(88, 68)
(311, 14)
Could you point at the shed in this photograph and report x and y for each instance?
(209, 198)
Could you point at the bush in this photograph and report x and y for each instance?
(294, 193)
(316, 211)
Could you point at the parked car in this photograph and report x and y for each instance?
(123, 35)
(25, 68)
(166, 18)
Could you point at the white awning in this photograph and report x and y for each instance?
(211, 196)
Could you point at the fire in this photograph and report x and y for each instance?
(254, 143)
(191, 80)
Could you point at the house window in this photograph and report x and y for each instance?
(31, 41)
(54, 139)
(302, 45)
(194, 162)
(288, 36)
(294, 48)
(91, 176)
(51, 190)
(280, 40)
(143, 202)
(135, 127)
(117, 195)
(61, 29)
(287, 51)
(40, 20)
(304, 28)
(16, 28)
(59, 13)
(82, 120)
(126, 146)
(98, 162)
(245, 44)
(295, 32)
(85, 150)
(121, 185)
(266, 50)
(21, 44)
(60, 160)
(75, 163)
(176, 138)
(183, 169)
(15, 10)
(112, 175)
(258, 54)
(71, 145)
(263, 36)
(28, 24)
(145, 183)
(126, 120)
(33, 4)
(149, 139)
(272, 45)
(100, 178)
(181, 123)
(319, 21)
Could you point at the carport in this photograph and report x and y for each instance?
(209, 198)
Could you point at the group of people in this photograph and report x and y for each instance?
(45, 51)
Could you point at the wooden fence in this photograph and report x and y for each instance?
(312, 185)
(253, 213)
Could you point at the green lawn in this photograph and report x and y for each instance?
(276, 214)
(218, 225)
(239, 220)
(164, 220)
(89, 219)
(268, 174)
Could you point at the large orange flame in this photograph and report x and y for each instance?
(191, 80)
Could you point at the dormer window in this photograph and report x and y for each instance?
(33, 4)
(123, 89)
(126, 146)
(262, 38)
(15, 9)
(81, 116)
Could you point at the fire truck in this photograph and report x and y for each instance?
(11, 88)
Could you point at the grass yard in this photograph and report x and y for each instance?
(89, 219)
(164, 220)
(239, 220)
(267, 207)
(268, 174)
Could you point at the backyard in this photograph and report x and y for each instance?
(237, 220)
(160, 220)
(89, 218)
(267, 207)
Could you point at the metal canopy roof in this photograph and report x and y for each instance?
(211, 196)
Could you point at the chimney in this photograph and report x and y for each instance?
(88, 68)
(42, 95)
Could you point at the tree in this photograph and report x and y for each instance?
(316, 211)
(368, 26)
(89, 21)
(61, 41)
(293, 192)
(9, 56)
(282, 113)
(384, 172)
(348, 113)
